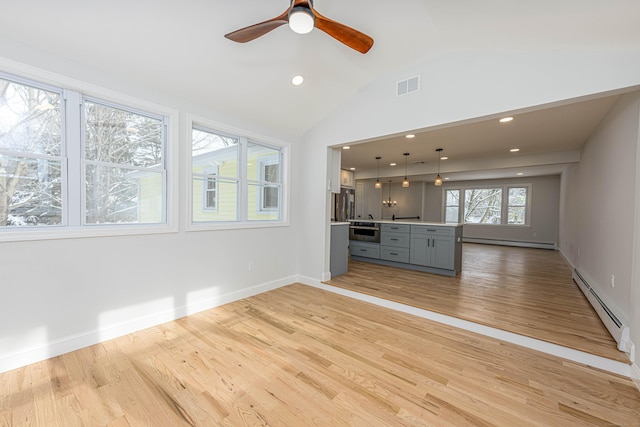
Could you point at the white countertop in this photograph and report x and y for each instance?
(339, 223)
(411, 222)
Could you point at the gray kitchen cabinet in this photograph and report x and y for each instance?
(395, 242)
(427, 247)
(364, 249)
(339, 260)
(433, 246)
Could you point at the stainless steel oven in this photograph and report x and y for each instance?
(365, 232)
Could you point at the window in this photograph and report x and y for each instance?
(234, 180)
(498, 205)
(452, 206)
(70, 161)
(517, 205)
(263, 171)
(31, 155)
(483, 205)
(210, 187)
(212, 151)
(124, 165)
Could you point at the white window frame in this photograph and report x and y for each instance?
(504, 208)
(73, 91)
(244, 137)
(527, 205)
(444, 216)
(14, 233)
(271, 160)
(211, 174)
(161, 167)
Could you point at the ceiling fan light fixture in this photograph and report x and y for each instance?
(301, 20)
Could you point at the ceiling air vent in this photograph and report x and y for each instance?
(405, 87)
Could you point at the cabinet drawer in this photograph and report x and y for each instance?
(400, 240)
(394, 254)
(433, 230)
(396, 228)
(364, 249)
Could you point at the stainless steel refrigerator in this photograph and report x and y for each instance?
(345, 204)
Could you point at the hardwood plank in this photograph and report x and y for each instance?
(302, 356)
(521, 290)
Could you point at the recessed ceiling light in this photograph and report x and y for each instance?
(514, 150)
(444, 158)
(520, 173)
(352, 169)
(506, 119)
(346, 147)
(410, 136)
(297, 80)
(392, 164)
(446, 178)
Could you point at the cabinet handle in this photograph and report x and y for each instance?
(393, 253)
(394, 240)
(363, 250)
(428, 243)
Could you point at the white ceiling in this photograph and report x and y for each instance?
(542, 136)
(178, 49)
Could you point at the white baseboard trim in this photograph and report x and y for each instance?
(635, 375)
(75, 342)
(599, 362)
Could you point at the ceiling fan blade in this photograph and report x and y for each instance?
(252, 32)
(347, 35)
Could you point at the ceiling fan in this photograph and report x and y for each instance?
(302, 17)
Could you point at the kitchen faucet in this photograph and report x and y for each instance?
(370, 216)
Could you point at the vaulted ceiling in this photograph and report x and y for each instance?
(178, 49)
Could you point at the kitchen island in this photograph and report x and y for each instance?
(415, 245)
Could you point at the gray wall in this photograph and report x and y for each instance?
(599, 216)
(425, 200)
(409, 199)
(545, 202)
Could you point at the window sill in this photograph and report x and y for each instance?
(236, 225)
(55, 233)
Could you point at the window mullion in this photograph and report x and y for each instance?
(73, 148)
(243, 190)
(504, 216)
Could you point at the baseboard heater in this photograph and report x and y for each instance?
(535, 245)
(618, 330)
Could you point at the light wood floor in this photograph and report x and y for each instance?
(300, 356)
(526, 291)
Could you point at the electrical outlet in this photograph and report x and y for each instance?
(251, 266)
(612, 279)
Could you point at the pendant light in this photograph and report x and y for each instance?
(388, 203)
(378, 183)
(438, 181)
(405, 181)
